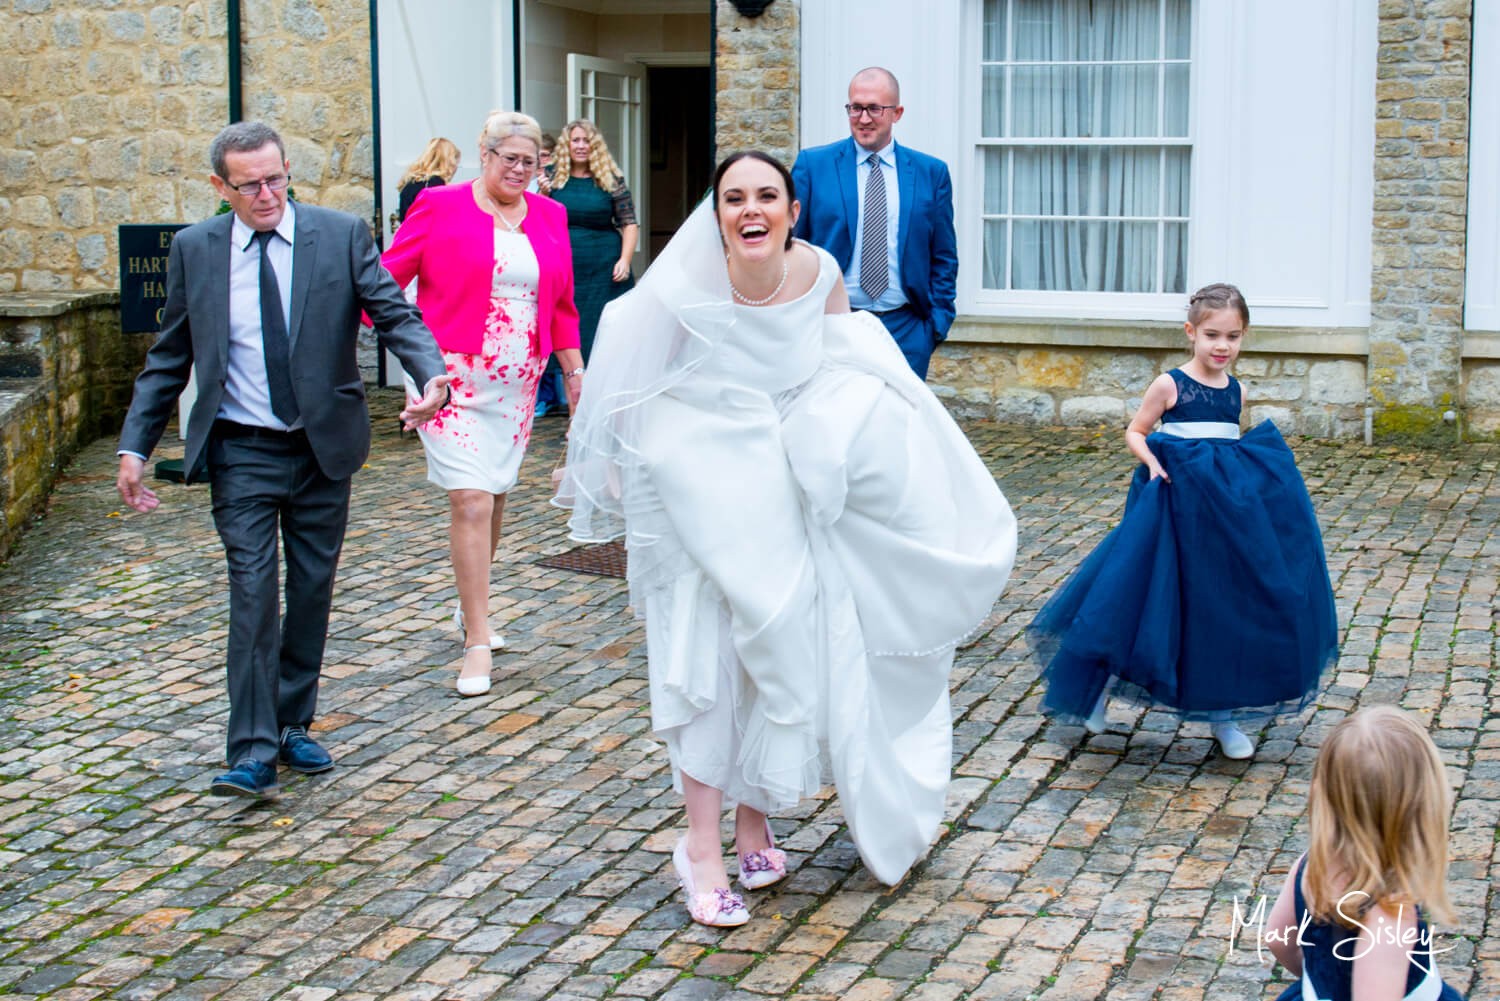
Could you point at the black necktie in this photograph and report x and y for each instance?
(874, 270)
(273, 338)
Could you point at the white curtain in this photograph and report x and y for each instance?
(1134, 188)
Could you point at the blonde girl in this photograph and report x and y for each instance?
(1349, 920)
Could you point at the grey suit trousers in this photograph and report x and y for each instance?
(263, 485)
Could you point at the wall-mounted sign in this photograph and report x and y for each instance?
(143, 275)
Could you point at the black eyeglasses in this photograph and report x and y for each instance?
(873, 110)
(252, 188)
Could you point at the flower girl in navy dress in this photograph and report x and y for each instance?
(1211, 598)
(1348, 921)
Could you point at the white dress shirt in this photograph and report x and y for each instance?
(893, 297)
(247, 392)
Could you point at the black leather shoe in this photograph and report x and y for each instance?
(301, 753)
(248, 778)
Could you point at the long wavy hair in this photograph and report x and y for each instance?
(602, 167)
(1379, 807)
(439, 159)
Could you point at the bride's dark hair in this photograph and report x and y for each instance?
(755, 154)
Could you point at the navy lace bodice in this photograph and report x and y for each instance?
(1197, 402)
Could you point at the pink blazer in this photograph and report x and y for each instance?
(448, 244)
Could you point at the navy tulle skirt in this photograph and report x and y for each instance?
(1210, 599)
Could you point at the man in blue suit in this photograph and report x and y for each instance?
(885, 213)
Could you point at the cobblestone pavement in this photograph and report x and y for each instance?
(517, 846)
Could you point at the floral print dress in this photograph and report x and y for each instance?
(478, 440)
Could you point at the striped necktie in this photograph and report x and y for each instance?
(874, 270)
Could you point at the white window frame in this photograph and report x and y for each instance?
(1043, 303)
(1223, 233)
(1013, 142)
(1482, 265)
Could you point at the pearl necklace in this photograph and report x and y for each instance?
(742, 297)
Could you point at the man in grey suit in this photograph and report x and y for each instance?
(263, 306)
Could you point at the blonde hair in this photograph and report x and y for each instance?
(1379, 817)
(439, 159)
(501, 125)
(602, 167)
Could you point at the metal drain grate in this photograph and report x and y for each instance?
(607, 559)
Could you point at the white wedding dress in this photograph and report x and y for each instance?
(810, 536)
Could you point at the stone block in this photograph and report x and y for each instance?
(93, 251)
(18, 169)
(1483, 388)
(1058, 369)
(17, 249)
(203, 64)
(302, 19)
(1087, 411)
(125, 26)
(308, 159)
(67, 31)
(34, 210)
(1024, 406)
(113, 159)
(62, 162)
(1337, 382)
(1252, 368)
(1120, 373)
(166, 25)
(1280, 416)
(43, 281)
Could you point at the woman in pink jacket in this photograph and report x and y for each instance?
(494, 277)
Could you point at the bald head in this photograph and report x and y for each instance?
(879, 76)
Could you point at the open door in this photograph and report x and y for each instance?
(611, 94)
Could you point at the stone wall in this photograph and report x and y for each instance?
(1421, 204)
(106, 112)
(66, 373)
(1079, 375)
(758, 80)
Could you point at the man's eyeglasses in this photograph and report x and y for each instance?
(873, 110)
(252, 188)
(509, 161)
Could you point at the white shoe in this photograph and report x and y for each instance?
(497, 640)
(477, 684)
(1098, 721)
(1233, 742)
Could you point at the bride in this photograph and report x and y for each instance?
(810, 536)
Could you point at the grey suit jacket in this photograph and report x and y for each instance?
(336, 273)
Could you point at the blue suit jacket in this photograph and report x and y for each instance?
(928, 247)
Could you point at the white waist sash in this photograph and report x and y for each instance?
(1200, 429)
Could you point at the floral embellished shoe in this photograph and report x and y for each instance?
(716, 908)
(764, 868)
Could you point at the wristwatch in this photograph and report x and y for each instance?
(576, 371)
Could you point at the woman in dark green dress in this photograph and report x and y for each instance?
(601, 222)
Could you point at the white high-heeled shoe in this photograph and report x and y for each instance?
(717, 908)
(476, 685)
(764, 868)
(497, 640)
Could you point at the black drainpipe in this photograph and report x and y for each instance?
(713, 82)
(375, 157)
(519, 46)
(375, 123)
(236, 99)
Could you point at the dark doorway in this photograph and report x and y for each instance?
(681, 140)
